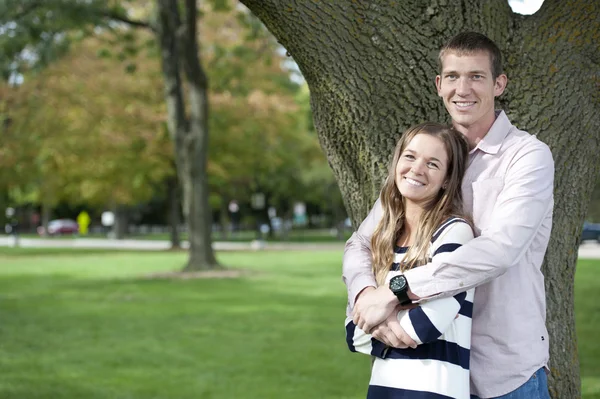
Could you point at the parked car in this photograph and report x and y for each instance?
(59, 227)
(591, 231)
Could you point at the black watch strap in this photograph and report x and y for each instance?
(399, 286)
(403, 297)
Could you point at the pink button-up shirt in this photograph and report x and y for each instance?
(508, 188)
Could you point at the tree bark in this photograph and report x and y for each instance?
(370, 67)
(174, 208)
(179, 51)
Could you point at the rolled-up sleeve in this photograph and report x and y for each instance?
(524, 202)
(357, 271)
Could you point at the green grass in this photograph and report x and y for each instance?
(92, 326)
(587, 315)
(81, 324)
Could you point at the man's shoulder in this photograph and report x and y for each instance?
(519, 141)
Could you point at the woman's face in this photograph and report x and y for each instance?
(421, 169)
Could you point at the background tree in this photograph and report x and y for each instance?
(370, 68)
(85, 132)
(45, 27)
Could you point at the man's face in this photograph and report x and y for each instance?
(468, 89)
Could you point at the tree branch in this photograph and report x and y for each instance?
(115, 16)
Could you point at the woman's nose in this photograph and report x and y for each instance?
(417, 168)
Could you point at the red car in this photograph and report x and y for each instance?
(60, 227)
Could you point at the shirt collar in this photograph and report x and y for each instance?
(494, 138)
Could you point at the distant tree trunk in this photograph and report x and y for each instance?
(46, 215)
(224, 220)
(371, 65)
(120, 228)
(174, 205)
(179, 51)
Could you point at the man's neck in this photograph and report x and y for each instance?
(475, 133)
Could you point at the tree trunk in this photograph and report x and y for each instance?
(174, 209)
(179, 51)
(224, 221)
(120, 228)
(46, 214)
(371, 65)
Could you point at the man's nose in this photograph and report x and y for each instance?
(463, 87)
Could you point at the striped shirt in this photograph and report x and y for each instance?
(439, 367)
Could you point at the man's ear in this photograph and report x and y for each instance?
(500, 85)
(438, 84)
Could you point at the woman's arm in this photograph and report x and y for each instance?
(427, 322)
(361, 342)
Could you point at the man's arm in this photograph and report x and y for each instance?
(375, 304)
(523, 204)
(357, 271)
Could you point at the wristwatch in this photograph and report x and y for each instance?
(399, 286)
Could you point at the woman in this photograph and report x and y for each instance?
(423, 218)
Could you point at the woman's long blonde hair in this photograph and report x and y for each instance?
(447, 203)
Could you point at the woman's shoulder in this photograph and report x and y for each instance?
(456, 228)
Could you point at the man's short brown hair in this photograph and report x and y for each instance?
(473, 42)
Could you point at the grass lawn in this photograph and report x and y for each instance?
(587, 314)
(80, 324)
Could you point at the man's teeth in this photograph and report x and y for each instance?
(464, 104)
(414, 182)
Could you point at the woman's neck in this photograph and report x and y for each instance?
(411, 223)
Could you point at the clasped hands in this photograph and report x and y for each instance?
(376, 313)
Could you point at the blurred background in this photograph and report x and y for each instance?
(87, 161)
(84, 134)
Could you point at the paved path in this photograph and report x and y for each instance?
(158, 245)
(589, 250)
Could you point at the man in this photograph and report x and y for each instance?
(508, 188)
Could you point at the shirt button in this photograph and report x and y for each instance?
(461, 284)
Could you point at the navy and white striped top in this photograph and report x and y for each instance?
(439, 367)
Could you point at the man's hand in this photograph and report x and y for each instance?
(391, 333)
(372, 307)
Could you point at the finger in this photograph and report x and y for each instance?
(363, 325)
(406, 339)
(356, 315)
(379, 333)
(359, 323)
(392, 339)
(401, 335)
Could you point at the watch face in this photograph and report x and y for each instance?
(397, 283)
